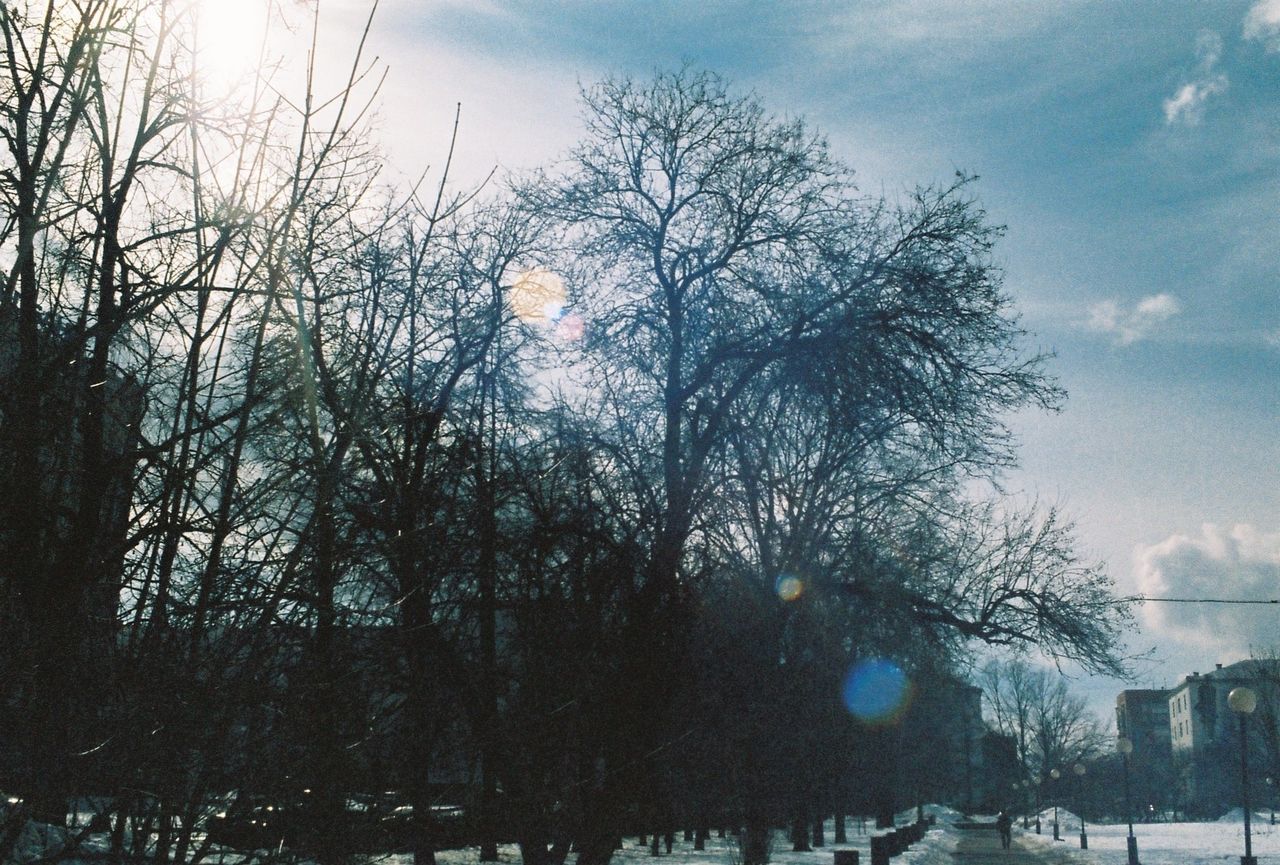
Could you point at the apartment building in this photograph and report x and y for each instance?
(1205, 734)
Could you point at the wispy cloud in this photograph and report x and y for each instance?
(1262, 23)
(978, 21)
(1128, 326)
(1236, 564)
(1187, 105)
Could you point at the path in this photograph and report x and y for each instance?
(982, 847)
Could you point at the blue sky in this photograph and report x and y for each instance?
(1131, 148)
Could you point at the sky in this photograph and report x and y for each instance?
(1132, 151)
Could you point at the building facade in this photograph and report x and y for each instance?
(1142, 716)
(1205, 735)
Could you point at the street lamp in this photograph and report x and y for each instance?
(1125, 747)
(1037, 801)
(1242, 701)
(1271, 798)
(1055, 775)
(1078, 768)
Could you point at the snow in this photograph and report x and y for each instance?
(934, 849)
(1236, 815)
(1214, 843)
(1211, 843)
(1162, 843)
(39, 841)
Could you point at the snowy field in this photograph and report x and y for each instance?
(1217, 843)
(1163, 843)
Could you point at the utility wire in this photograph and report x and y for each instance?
(1144, 599)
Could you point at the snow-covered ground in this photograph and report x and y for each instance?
(1216, 843)
(1162, 843)
(934, 849)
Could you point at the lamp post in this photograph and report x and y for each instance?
(1242, 701)
(1271, 798)
(1125, 747)
(1078, 768)
(1055, 775)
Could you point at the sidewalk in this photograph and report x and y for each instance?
(982, 847)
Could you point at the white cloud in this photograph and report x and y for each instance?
(1130, 326)
(1158, 307)
(942, 20)
(1236, 564)
(1208, 50)
(1262, 23)
(1188, 103)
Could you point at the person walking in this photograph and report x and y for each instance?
(1004, 826)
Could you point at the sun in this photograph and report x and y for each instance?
(229, 37)
(538, 295)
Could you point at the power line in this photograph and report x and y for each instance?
(1142, 599)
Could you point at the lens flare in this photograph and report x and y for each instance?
(876, 691)
(538, 295)
(571, 327)
(789, 588)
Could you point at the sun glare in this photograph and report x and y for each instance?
(229, 37)
(789, 588)
(538, 295)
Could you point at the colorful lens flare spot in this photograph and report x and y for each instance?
(571, 327)
(788, 588)
(538, 295)
(876, 691)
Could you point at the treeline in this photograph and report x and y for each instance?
(314, 484)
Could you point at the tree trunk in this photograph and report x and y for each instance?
(819, 838)
(596, 848)
(559, 852)
(123, 804)
(842, 836)
(486, 469)
(755, 844)
(800, 836)
(164, 831)
(884, 808)
(534, 852)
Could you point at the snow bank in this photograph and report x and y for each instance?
(1236, 815)
(39, 841)
(943, 814)
(1065, 819)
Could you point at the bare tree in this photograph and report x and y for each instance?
(730, 271)
(1052, 728)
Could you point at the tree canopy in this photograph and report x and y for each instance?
(318, 476)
